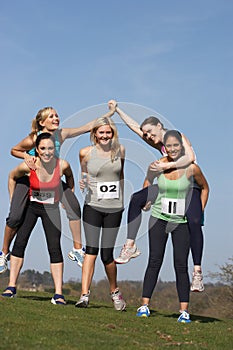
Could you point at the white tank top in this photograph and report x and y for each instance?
(104, 188)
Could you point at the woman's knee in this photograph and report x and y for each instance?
(107, 260)
(13, 222)
(92, 250)
(56, 257)
(107, 256)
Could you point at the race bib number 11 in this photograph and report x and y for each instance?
(108, 190)
(173, 206)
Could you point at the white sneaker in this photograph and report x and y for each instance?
(143, 311)
(197, 282)
(83, 301)
(118, 301)
(184, 317)
(127, 253)
(77, 255)
(3, 261)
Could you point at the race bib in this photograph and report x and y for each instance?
(108, 190)
(46, 197)
(173, 206)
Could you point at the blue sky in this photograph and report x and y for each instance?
(173, 57)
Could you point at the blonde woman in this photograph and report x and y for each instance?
(102, 167)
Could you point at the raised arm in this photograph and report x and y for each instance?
(132, 124)
(67, 133)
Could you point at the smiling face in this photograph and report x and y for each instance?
(104, 135)
(153, 133)
(51, 121)
(46, 150)
(173, 148)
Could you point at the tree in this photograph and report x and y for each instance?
(225, 275)
(224, 299)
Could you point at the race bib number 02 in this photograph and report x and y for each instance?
(46, 197)
(108, 190)
(173, 206)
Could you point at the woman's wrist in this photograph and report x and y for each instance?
(171, 165)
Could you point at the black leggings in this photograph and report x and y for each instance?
(51, 221)
(93, 221)
(158, 236)
(193, 213)
(20, 199)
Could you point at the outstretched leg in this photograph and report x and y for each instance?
(138, 201)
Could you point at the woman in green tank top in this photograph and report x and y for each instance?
(168, 215)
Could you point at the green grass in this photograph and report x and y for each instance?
(30, 321)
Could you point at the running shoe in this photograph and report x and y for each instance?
(3, 261)
(197, 282)
(55, 300)
(83, 301)
(77, 255)
(9, 292)
(118, 301)
(143, 311)
(127, 253)
(184, 317)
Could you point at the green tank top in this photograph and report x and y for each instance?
(170, 202)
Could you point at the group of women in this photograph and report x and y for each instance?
(177, 200)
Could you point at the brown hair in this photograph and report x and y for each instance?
(152, 121)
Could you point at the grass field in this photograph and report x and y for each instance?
(30, 321)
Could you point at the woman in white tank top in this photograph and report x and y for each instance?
(102, 164)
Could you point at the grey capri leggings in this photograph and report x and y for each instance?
(93, 221)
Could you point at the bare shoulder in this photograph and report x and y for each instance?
(64, 165)
(193, 169)
(85, 151)
(20, 170)
(24, 168)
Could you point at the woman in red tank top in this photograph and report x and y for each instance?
(44, 196)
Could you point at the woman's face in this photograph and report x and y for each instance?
(51, 123)
(46, 150)
(173, 147)
(152, 133)
(104, 135)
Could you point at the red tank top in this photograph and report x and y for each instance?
(45, 192)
